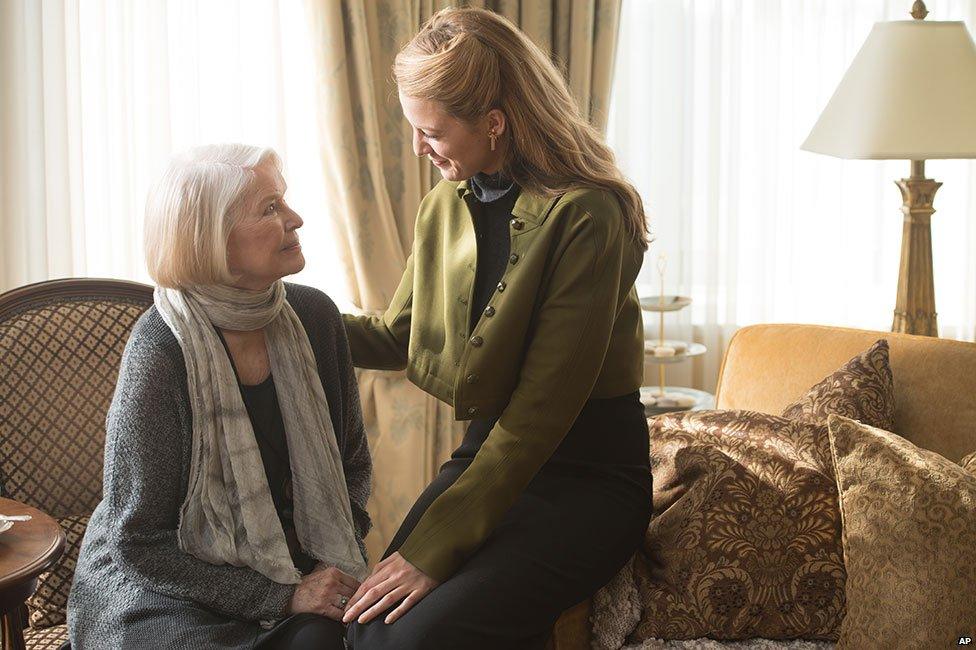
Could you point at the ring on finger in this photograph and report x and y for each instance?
(342, 602)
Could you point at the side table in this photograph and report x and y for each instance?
(27, 549)
(703, 400)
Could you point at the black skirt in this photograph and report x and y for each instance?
(571, 530)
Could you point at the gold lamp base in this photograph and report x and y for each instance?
(915, 301)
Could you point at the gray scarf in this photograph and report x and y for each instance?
(228, 516)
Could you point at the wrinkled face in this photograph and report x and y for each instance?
(459, 150)
(263, 246)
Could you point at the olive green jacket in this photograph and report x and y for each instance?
(563, 325)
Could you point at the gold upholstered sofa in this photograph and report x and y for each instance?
(768, 366)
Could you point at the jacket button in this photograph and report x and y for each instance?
(513, 258)
(501, 287)
(518, 224)
(472, 410)
(472, 379)
(476, 341)
(489, 311)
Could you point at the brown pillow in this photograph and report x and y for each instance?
(862, 389)
(746, 538)
(909, 540)
(48, 605)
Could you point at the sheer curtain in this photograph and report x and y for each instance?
(711, 101)
(96, 96)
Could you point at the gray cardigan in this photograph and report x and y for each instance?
(133, 586)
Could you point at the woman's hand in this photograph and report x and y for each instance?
(392, 579)
(325, 591)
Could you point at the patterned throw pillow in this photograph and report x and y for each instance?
(48, 605)
(909, 540)
(862, 389)
(746, 538)
(616, 610)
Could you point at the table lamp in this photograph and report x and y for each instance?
(909, 94)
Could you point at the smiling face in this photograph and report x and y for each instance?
(458, 149)
(263, 245)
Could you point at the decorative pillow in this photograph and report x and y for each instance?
(862, 389)
(968, 462)
(48, 605)
(746, 538)
(909, 540)
(616, 610)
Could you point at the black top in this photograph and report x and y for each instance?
(264, 411)
(491, 219)
(261, 402)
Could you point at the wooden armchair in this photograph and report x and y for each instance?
(61, 343)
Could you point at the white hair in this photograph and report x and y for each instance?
(193, 207)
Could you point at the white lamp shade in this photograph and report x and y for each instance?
(910, 93)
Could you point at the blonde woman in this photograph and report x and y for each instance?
(236, 465)
(518, 308)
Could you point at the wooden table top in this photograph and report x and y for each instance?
(28, 548)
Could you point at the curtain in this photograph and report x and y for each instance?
(581, 38)
(96, 96)
(711, 101)
(375, 183)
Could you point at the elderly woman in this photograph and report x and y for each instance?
(236, 466)
(518, 308)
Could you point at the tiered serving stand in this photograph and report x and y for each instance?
(662, 352)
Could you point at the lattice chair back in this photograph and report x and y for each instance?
(61, 343)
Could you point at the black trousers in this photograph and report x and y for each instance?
(303, 632)
(570, 531)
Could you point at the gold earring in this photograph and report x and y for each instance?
(492, 137)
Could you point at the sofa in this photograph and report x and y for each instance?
(768, 366)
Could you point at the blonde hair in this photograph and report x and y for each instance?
(472, 61)
(191, 210)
